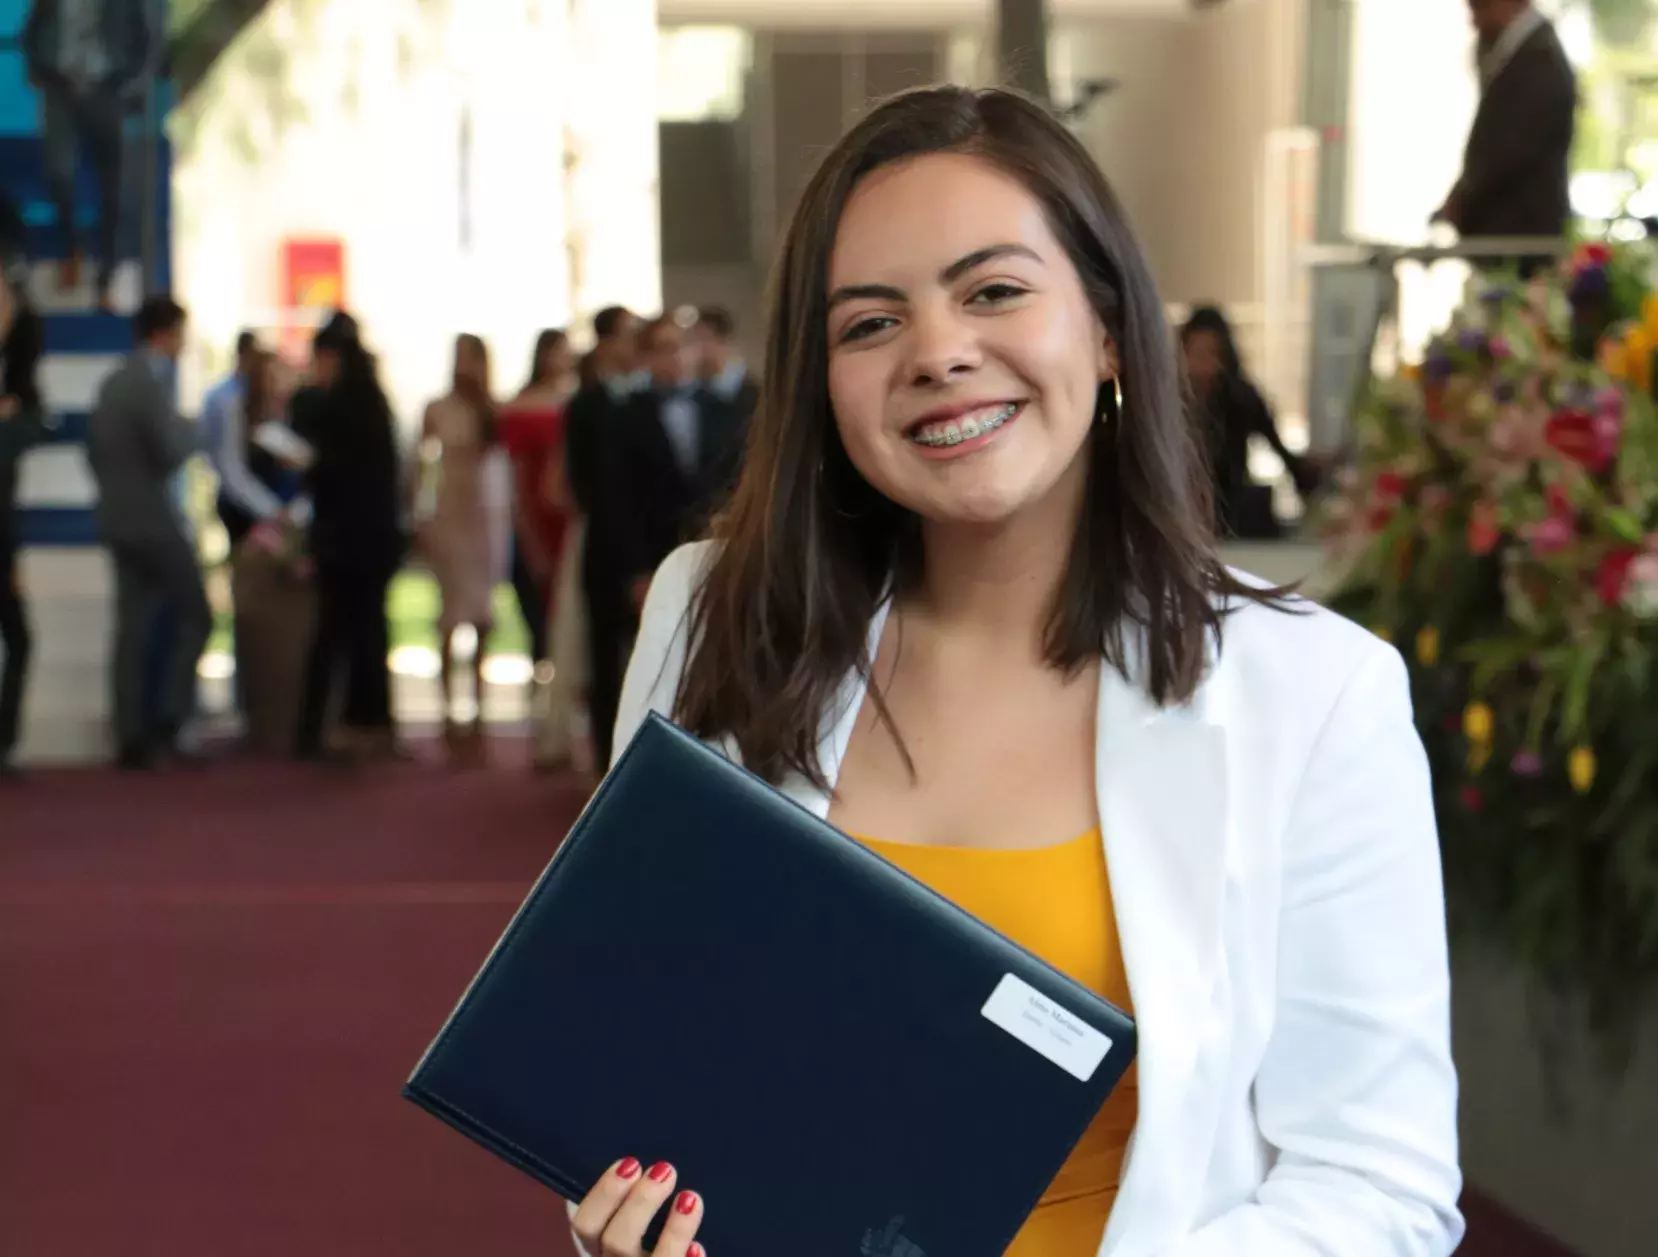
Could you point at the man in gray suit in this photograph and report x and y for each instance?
(135, 443)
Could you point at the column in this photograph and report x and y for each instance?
(1022, 45)
(611, 191)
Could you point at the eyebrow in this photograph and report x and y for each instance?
(949, 275)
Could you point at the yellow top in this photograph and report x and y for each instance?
(1055, 901)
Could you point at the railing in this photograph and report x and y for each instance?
(1359, 309)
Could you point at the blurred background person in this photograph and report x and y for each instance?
(1515, 170)
(719, 364)
(261, 467)
(456, 539)
(1231, 410)
(90, 60)
(532, 427)
(22, 423)
(682, 451)
(136, 443)
(594, 467)
(355, 542)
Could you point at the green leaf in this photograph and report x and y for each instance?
(1574, 712)
(1624, 526)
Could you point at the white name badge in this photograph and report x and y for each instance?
(1043, 1026)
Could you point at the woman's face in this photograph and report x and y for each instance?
(325, 366)
(558, 361)
(469, 363)
(1205, 358)
(965, 360)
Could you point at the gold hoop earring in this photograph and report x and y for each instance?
(1117, 403)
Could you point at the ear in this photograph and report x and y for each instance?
(1106, 360)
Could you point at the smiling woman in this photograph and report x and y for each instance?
(966, 605)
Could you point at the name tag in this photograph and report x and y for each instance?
(1044, 1027)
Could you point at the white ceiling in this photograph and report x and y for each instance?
(825, 14)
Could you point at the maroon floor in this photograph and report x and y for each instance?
(212, 985)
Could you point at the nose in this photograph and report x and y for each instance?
(943, 347)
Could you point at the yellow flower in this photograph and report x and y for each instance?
(1383, 632)
(1612, 359)
(1637, 353)
(1580, 767)
(1479, 754)
(1427, 646)
(1649, 316)
(1477, 722)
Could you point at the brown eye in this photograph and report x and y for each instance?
(862, 329)
(995, 294)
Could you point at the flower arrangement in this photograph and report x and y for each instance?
(1499, 524)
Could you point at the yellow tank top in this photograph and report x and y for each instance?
(1055, 901)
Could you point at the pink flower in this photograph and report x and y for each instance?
(1609, 401)
(1526, 764)
(1549, 536)
(1499, 347)
(1612, 576)
(1640, 589)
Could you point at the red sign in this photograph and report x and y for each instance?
(313, 274)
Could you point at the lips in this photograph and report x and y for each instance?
(944, 428)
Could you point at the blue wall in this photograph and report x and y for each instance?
(82, 343)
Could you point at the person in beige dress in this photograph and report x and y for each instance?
(457, 537)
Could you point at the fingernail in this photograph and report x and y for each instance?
(628, 1168)
(694, 1249)
(660, 1172)
(687, 1203)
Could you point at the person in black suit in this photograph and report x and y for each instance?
(598, 482)
(683, 449)
(22, 419)
(1514, 171)
(356, 539)
(719, 365)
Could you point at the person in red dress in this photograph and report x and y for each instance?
(532, 429)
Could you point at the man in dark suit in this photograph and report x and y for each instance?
(593, 453)
(91, 60)
(683, 447)
(1514, 171)
(135, 442)
(720, 365)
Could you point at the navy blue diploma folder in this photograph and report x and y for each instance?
(839, 1060)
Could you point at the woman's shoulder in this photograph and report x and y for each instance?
(678, 578)
(1296, 653)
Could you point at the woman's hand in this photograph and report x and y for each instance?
(611, 1222)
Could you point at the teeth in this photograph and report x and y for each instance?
(955, 432)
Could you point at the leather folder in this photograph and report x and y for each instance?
(838, 1059)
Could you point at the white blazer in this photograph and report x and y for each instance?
(1275, 869)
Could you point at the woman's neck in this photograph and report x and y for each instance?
(998, 581)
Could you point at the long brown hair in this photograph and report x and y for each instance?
(476, 393)
(810, 548)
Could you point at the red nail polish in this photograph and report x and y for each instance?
(628, 1168)
(687, 1203)
(660, 1172)
(694, 1249)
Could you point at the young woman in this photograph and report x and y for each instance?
(1234, 411)
(355, 542)
(546, 542)
(966, 604)
(458, 541)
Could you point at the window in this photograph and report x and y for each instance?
(700, 72)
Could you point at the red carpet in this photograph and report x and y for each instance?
(213, 984)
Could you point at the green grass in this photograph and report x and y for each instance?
(412, 607)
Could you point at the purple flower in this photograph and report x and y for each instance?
(1436, 367)
(1500, 347)
(1589, 285)
(1494, 296)
(1527, 764)
(1471, 339)
(1505, 391)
